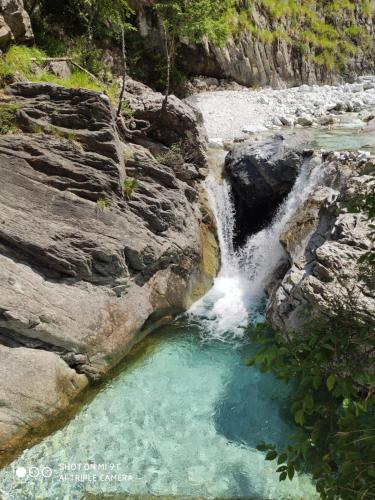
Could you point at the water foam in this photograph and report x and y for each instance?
(239, 289)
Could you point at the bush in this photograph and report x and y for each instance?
(333, 404)
(129, 185)
(172, 157)
(8, 117)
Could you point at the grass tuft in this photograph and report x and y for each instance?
(8, 118)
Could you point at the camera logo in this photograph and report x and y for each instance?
(34, 472)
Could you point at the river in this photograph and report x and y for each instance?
(184, 415)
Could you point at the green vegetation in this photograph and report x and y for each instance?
(193, 20)
(129, 185)
(331, 367)
(333, 401)
(101, 205)
(171, 157)
(326, 31)
(126, 110)
(27, 63)
(19, 60)
(8, 117)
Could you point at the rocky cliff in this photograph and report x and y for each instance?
(85, 262)
(324, 242)
(256, 57)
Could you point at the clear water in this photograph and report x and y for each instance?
(343, 139)
(182, 419)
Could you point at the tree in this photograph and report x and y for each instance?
(193, 20)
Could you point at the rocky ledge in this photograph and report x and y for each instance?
(88, 268)
(324, 242)
(322, 239)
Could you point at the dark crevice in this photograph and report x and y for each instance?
(249, 221)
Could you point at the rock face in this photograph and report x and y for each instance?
(261, 174)
(323, 242)
(251, 61)
(174, 124)
(15, 23)
(83, 266)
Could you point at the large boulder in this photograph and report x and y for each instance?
(261, 174)
(83, 265)
(175, 123)
(15, 25)
(35, 386)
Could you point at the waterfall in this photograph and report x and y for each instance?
(239, 290)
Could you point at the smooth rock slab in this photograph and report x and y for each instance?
(35, 385)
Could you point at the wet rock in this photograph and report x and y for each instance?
(324, 242)
(261, 174)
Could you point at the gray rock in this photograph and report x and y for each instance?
(324, 243)
(35, 386)
(176, 123)
(261, 174)
(15, 23)
(260, 171)
(79, 280)
(305, 120)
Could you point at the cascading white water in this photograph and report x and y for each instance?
(239, 289)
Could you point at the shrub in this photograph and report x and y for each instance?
(333, 404)
(172, 157)
(8, 117)
(129, 185)
(101, 205)
(126, 110)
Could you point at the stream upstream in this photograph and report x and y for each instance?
(183, 418)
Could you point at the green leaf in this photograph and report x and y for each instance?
(271, 455)
(299, 417)
(317, 381)
(282, 458)
(281, 468)
(262, 447)
(331, 380)
(308, 401)
(282, 476)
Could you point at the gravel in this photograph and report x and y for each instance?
(233, 114)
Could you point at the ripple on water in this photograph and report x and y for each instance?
(182, 420)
